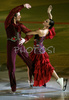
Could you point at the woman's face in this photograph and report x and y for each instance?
(46, 23)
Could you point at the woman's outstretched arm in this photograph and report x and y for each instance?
(39, 32)
(33, 32)
(49, 12)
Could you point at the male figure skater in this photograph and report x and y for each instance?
(14, 42)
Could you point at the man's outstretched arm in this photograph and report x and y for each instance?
(13, 12)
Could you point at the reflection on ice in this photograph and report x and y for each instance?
(50, 92)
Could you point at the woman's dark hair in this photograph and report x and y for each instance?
(51, 23)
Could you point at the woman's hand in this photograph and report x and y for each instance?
(21, 41)
(49, 9)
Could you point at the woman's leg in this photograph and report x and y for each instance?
(54, 74)
(59, 80)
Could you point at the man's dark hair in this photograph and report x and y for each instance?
(51, 23)
(13, 17)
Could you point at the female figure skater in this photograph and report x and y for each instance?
(43, 70)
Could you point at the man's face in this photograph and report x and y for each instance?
(18, 16)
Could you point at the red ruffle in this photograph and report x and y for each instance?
(51, 33)
(43, 69)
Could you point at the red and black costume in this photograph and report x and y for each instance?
(13, 48)
(43, 69)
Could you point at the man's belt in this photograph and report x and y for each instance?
(14, 39)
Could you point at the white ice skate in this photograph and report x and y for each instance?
(30, 84)
(60, 81)
(12, 92)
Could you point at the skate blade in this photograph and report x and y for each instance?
(31, 85)
(64, 88)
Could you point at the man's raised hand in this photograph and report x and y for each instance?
(27, 5)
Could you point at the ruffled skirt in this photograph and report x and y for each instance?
(43, 69)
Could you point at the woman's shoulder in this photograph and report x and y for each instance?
(51, 33)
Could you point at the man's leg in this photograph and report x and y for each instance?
(25, 57)
(11, 57)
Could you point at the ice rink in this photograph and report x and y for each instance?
(52, 91)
